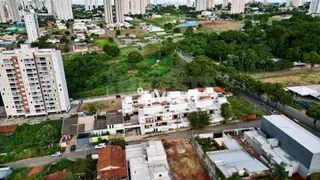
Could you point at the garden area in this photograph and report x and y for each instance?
(73, 168)
(30, 141)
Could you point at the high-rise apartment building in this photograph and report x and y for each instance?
(201, 5)
(119, 10)
(237, 6)
(96, 2)
(126, 7)
(210, 4)
(138, 6)
(295, 3)
(189, 3)
(32, 26)
(33, 82)
(224, 3)
(3, 16)
(314, 7)
(108, 15)
(49, 6)
(86, 5)
(13, 9)
(63, 9)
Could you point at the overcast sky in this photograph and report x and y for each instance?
(163, 1)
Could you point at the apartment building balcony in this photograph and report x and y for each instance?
(8, 66)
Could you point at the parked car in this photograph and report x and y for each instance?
(273, 112)
(56, 154)
(100, 146)
(73, 148)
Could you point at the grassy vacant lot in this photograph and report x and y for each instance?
(149, 49)
(160, 21)
(295, 79)
(87, 166)
(101, 41)
(24, 143)
(108, 105)
(242, 107)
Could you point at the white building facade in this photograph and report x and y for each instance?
(3, 16)
(171, 111)
(63, 9)
(294, 3)
(33, 82)
(237, 6)
(314, 7)
(137, 6)
(201, 5)
(13, 9)
(119, 4)
(108, 16)
(49, 6)
(210, 4)
(32, 26)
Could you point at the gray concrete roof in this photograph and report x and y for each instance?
(296, 132)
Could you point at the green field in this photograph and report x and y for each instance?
(160, 21)
(101, 41)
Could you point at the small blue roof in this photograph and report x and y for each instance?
(188, 24)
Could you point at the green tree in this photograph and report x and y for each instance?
(199, 119)
(91, 108)
(189, 31)
(226, 111)
(119, 142)
(314, 113)
(168, 26)
(263, 52)
(134, 57)
(113, 51)
(279, 173)
(234, 177)
(312, 58)
(67, 33)
(177, 30)
(47, 135)
(66, 49)
(118, 32)
(73, 38)
(202, 70)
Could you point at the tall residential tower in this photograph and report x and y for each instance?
(237, 6)
(32, 26)
(63, 9)
(33, 82)
(314, 7)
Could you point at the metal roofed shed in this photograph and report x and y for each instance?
(229, 162)
(301, 90)
(188, 24)
(295, 140)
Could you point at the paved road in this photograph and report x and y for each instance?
(184, 56)
(289, 71)
(39, 161)
(172, 136)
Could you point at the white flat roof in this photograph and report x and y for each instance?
(232, 144)
(296, 132)
(302, 90)
(230, 160)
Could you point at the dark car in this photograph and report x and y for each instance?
(73, 148)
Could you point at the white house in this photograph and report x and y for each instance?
(170, 110)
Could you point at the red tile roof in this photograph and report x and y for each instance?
(114, 158)
(57, 175)
(219, 90)
(8, 129)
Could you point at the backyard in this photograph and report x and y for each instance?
(31, 141)
(295, 79)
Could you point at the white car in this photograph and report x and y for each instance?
(56, 154)
(100, 146)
